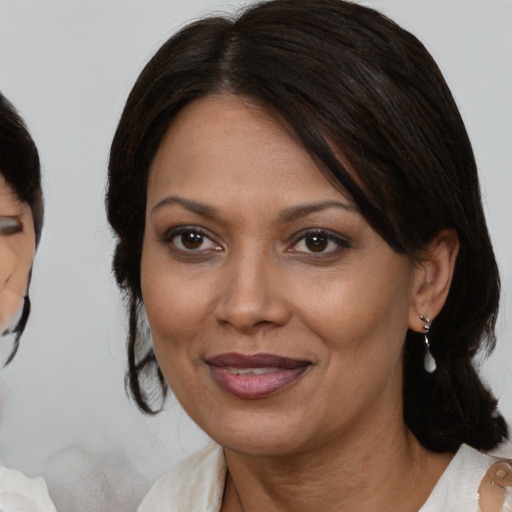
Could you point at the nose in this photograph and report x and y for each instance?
(253, 294)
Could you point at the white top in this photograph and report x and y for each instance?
(196, 484)
(18, 493)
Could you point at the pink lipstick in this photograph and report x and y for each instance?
(255, 376)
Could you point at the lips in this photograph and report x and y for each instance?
(255, 376)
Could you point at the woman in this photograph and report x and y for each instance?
(21, 220)
(298, 217)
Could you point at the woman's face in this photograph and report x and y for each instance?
(277, 314)
(17, 247)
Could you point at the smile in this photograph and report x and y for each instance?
(255, 376)
(254, 371)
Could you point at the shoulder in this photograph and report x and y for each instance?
(473, 482)
(196, 484)
(18, 492)
(495, 490)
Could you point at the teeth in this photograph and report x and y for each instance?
(255, 371)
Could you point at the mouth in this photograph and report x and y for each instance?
(255, 376)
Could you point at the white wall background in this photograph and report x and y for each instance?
(68, 66)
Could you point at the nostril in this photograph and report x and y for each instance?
(246, 324)
(262, 324)
(250, 320)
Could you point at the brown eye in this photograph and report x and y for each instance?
(316, 243)
(319, 242)
(192, 240)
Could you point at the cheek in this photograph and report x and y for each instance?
(174, 306)
(12, 287)
(177, 307)
(11, 308)
(7, 261)
(362, 314)
(177, 311)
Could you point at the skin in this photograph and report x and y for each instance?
(234, 178)
(17, 248)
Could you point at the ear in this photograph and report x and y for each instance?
(17, 248)
(433, 278)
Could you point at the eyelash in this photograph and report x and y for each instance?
(172, 240)
(175, 233)
(328, 236)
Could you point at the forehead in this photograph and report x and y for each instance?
(225, 141)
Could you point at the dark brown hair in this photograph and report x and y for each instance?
(19, 165)
(344, 76)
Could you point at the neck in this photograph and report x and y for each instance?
(363, 472)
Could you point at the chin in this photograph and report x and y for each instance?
(261, 447)
(259, 434)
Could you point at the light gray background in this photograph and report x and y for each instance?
(68, 67)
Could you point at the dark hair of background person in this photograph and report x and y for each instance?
(19, 165)
(346, 80)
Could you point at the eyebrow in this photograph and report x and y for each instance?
(193, 206)
(297, 212)
(286, 216)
